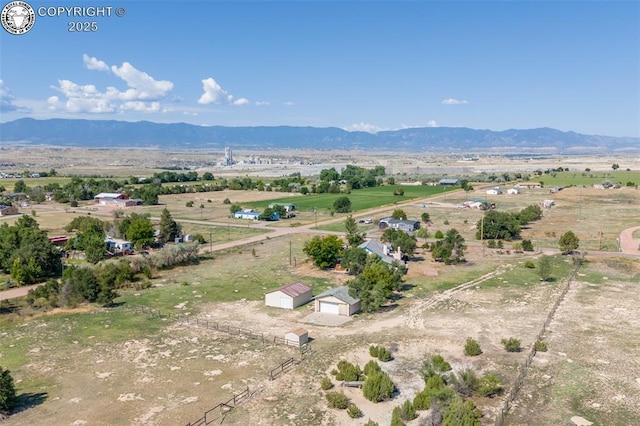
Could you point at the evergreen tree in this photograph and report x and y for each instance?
(354, 237)
(169, 228)
(8, 396)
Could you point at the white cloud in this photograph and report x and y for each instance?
(144, 93)
(241, 101)
(6, 99)
(92, 63)
(452, 101)
(215, 94)
(288, 103)
(363, 127)
(263, 103)
(432, 123)
(142, 85)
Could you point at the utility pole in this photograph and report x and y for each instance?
(290, 252)
(482, 234)
(210, 240)
(580, 205)
(315, 212)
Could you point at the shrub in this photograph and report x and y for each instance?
(465, 382)
(395, 418)
(527, 245)
(529, 264)
(189, 204)
(378, 387)
(371, 367)
(435, 366)
(446, 221)
(226, 201)
(407, 411)
(511, 344)
(353, 411)
(541, 346)
(438, 235)
(326, 383)
(435, 390)
(500, 244)
(472, 347)
(489, 386)
(347, 372)
(337, 400)
(461, 412)
(384, 355)
(73, 203)
(371, 423)
(491, 243)
(373, 351)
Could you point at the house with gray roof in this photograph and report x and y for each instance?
(383, 251)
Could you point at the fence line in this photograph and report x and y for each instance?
(519, 380)
(222, 409)
(226, 328)
(281, 369)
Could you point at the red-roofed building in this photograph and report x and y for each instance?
(289, 296)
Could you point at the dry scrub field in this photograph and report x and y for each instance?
(113, 366)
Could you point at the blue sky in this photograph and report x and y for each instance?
(365, 65)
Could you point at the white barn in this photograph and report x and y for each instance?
(289, 296)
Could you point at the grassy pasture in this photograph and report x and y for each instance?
(361, 199)
(588, 178)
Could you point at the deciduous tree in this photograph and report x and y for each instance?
(325, 251)
(568, 242)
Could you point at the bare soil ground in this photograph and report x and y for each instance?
(590, 369)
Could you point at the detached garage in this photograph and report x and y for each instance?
(337, 301)
(289, 296)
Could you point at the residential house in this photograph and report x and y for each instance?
(449, 182)
(7, 210)
(337, 301)
(494, 191)
(528, 185)
(287, 207)
(383, 251)
(289, 296)
(513, 191)
(115, 245)
(106, 198)
(247, 214)
(399, 224)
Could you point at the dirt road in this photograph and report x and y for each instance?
(628, 244)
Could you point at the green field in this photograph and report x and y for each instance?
(588, 178)
(361, 199)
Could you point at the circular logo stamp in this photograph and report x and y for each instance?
(18, 17)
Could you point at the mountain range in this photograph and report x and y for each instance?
(123, 134)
